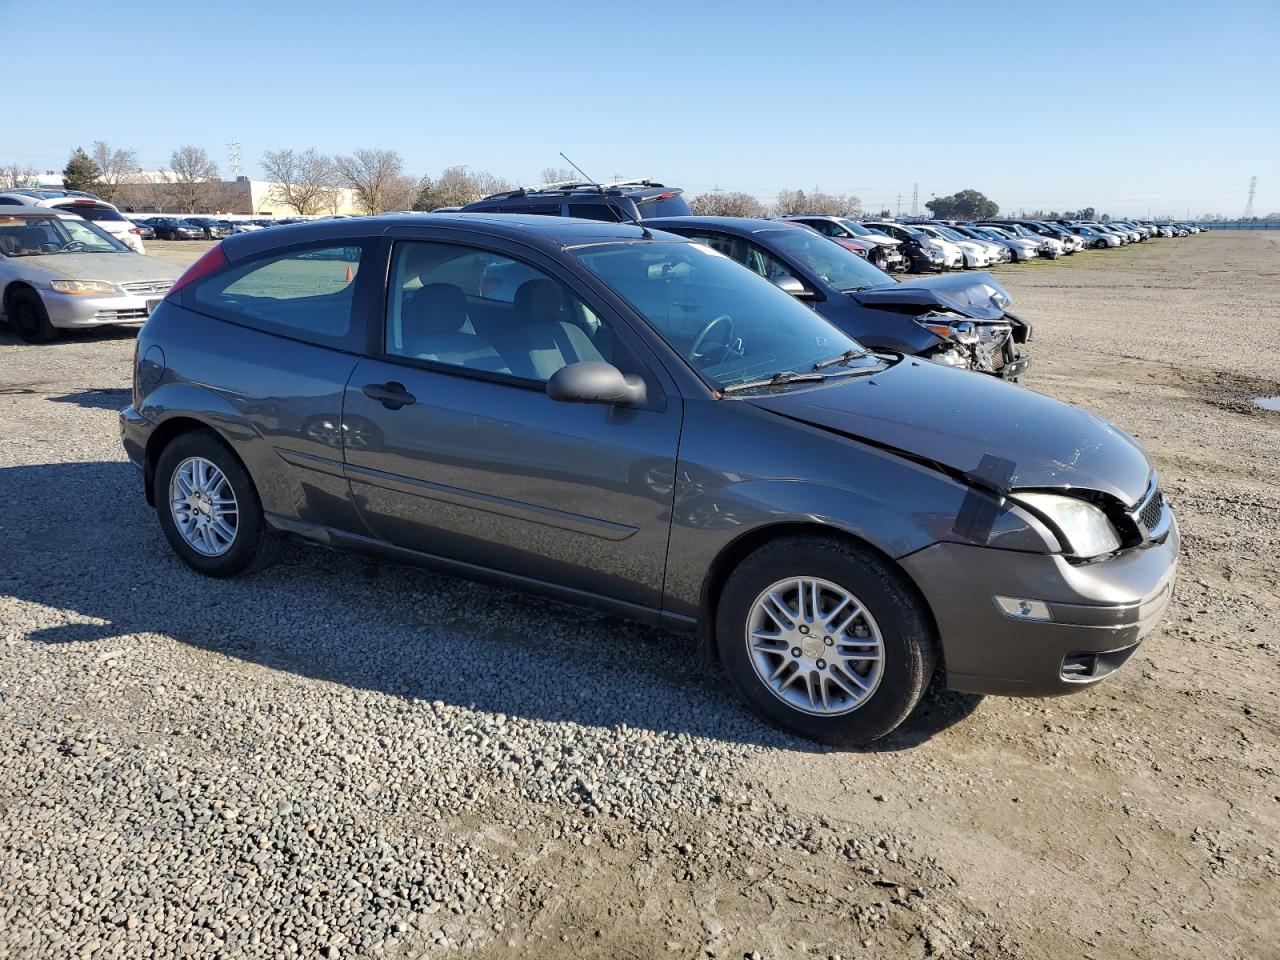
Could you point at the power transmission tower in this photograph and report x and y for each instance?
(233, 157)
(915, 199)
(899, 206)
(1248, 207)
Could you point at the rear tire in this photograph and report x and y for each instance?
(29, 318)
(252, 545)
(825, 702)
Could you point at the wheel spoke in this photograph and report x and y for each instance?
(202, 504)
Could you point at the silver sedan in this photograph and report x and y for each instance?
(60, 272)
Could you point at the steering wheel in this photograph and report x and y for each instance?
(695, 352)
(73, 245)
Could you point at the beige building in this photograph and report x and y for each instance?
(155, 193)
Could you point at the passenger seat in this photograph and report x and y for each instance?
(433, 326)
(547, 341)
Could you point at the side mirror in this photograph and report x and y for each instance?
(593, 381)
(792, 286)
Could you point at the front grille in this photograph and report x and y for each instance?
(148, 286)
(138, 314)
(1152, 510)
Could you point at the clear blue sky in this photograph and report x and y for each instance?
(1127, 106)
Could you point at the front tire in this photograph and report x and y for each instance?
(29, 318)
(209, 508)
(826, 639)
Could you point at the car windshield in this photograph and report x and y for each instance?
(731, 325)
(23, 236)
(951, 234)
(854, 227)
(832, 263)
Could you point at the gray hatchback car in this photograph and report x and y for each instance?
(620, 417)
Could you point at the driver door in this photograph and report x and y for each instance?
(466, 457)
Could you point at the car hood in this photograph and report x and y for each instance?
(955, 418)
(978, 296)
(112, 267)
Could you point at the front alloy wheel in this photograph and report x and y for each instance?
(825, 637)
(815, 646)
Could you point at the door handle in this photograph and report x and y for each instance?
(391, 395)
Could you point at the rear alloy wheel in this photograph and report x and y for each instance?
(209, 508)
(825, 638)
(30, 319)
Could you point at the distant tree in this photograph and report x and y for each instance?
(115, 167)
(558, 174)
(886, 213)
(401, 192)
(792, 202)
(372, 175)
(1086, 213)
(1105, 218)
(964, 205)
(1216, 217)
(456, 187)
(13, 177)
(190, 172)
(303, 181)
(726, 204)
(80, 173)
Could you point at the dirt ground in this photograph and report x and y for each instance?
(1138, 819)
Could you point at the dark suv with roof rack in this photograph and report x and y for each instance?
(614, 202)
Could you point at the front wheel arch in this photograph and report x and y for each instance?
(741, 548)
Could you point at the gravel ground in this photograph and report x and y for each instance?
(344, 758)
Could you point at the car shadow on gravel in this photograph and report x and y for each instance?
(104, 575)
(69, 337)
(104, 398)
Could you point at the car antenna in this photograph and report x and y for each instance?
(644, 231)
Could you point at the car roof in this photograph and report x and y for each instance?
(742, 226)
(550, 233)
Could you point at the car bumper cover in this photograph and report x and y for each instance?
(1099, 613)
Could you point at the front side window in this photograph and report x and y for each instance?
(482, 310)
(729, 324)
(307, 294)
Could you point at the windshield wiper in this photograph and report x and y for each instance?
(845, 357)
(778, 379)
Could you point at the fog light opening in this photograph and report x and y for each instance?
(1021, 608)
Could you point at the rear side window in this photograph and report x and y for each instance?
(594, 211)
(307, 294)
(90, 211)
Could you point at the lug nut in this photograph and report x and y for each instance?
(828, 641)
(822, 664)
(803, 628)
(796, 651)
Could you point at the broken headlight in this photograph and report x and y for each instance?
(1087, 530)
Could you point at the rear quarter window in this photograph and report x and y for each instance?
(305, 294)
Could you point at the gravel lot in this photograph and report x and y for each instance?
(344, 758)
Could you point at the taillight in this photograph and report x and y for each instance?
(135, 230)
(213, 259)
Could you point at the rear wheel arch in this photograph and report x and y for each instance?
(741, 548)
(169, 431)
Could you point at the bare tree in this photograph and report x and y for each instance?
(559, 174)
(303, 181)
(372, 175)
(456, 187)
(726, 204)
(116, 167)
(793, 202)
(190, 169)
(14, 176)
